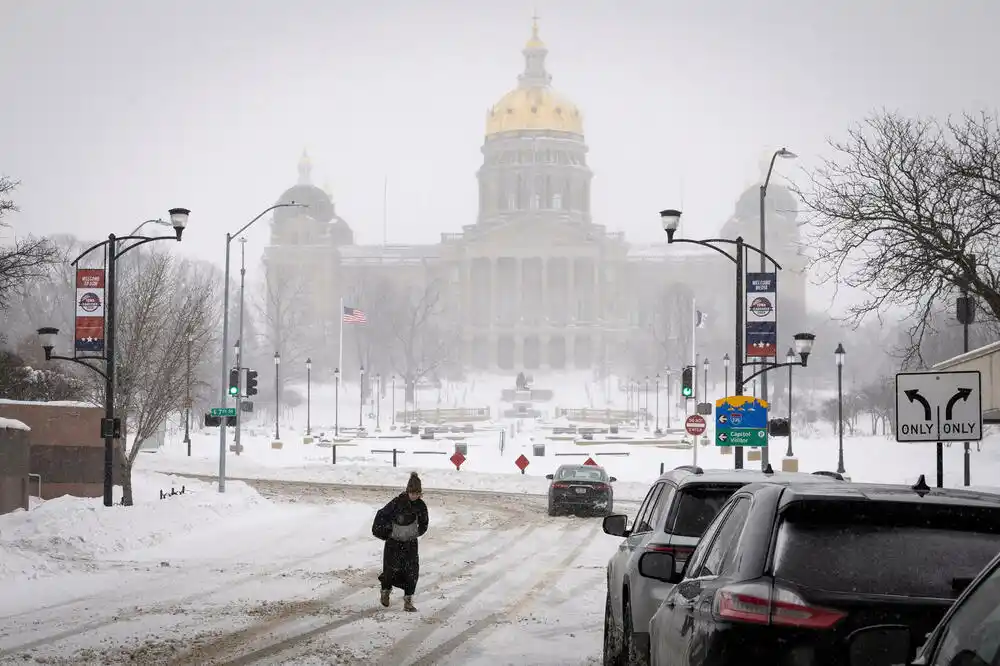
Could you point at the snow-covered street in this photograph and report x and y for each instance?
(290, 577)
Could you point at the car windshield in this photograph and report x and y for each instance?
(696, 506)
(581, 474)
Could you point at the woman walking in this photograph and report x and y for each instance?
(400, 523)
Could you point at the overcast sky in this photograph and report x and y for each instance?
(115, 110)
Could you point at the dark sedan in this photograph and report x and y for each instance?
(581, 488)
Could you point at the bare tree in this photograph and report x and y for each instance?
(381, 300)
(908, 210)
(423, 340)
(26, 258)
(162, 300)
(287, 325)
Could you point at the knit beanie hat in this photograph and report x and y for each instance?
(413, 485)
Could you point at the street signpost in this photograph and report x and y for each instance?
(939, 407)
(522, 462)
(740, 420)
(223, 411)
(695, 425)
(590, 461)
(457, 459)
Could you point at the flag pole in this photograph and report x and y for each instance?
(340, 344)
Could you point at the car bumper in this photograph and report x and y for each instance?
(596, 501)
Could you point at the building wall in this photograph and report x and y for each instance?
(14, 464)
(66, 447)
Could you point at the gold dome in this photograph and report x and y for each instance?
(533, 109)
(533, 105)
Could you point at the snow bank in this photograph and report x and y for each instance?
(13, 424)
(69, 533)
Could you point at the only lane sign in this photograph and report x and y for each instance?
(939, 406)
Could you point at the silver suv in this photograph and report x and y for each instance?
(672, 518)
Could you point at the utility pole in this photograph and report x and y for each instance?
(239, 346)
(966, 315)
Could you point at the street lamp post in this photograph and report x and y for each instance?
(645, 415)
(966, 311)
(378, 401)
(839, 354)
(657, 403)
(668, 400)
(223, 393)
(705, 364)
(309, 367)
(783, 153)
(187, 397)
(47, 335)
(790, 362)
(725, 370)
(277, 395)
(393, 381)
(670, 219)
(361, 400)
(336, 402)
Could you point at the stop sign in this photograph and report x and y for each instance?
(695, 424)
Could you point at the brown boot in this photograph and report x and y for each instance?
(408, 604)
(384, 597)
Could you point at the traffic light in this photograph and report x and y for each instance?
(687, 382)
(234, 382)
(251, 383)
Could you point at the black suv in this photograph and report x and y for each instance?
(785, 574)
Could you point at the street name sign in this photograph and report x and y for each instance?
(939, 406)
(740, 420)
(223, 411)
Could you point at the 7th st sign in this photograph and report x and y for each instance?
(939, 407)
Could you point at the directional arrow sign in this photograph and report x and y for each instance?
(939, 407)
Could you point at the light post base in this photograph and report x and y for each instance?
(789, 464)
(753, 455)
(276, 444)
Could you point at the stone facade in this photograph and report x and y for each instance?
(535, 283)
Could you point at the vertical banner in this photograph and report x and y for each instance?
(762, 315)
(89, 310)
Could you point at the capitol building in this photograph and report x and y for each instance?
(534, 282)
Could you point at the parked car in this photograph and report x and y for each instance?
(968, 635)
(785, 574)
(676, 511)
(578, 488)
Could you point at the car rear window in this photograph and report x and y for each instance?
(582, 474)
(924, 558)
(696, 506)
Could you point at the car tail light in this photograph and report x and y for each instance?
(603, 487)
(763, 603)
(560, 485)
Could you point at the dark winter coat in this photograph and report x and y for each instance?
(400, 523)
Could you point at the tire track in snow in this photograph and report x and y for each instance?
(405, 647)
(220, 651)
(132, 613)
(543, 580)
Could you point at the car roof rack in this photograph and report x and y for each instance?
(694, 469)
(768, 469)
(832, 475)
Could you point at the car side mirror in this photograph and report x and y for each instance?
(880, 645)
(612, 479)
(550, 476)
(616, 525)
(659, 566)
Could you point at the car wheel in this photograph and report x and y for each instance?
(612, 637)
(633, 656)
(552, 509)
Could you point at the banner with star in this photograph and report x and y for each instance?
(89, 310)
(762, 315)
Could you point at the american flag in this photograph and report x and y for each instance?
(354, 316)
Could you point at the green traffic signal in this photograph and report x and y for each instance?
(233, 390)
(687, 391)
